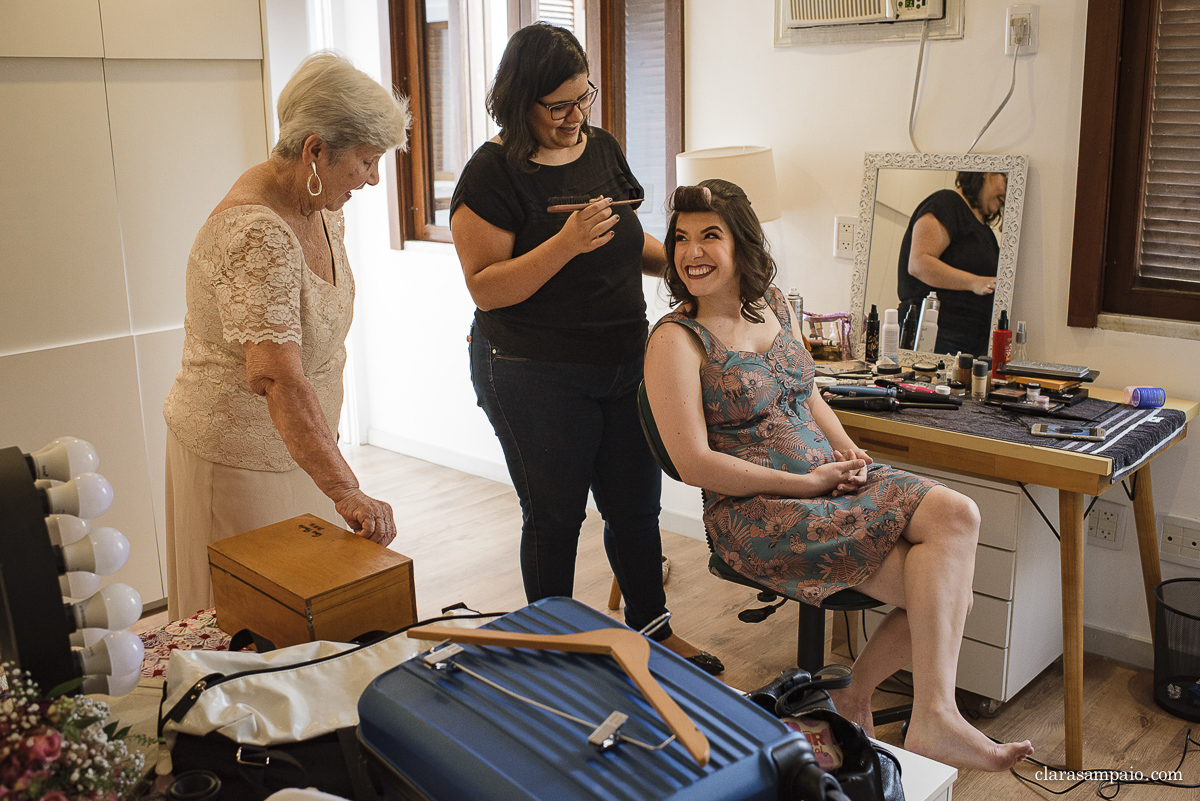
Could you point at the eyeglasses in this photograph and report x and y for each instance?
(559, 111)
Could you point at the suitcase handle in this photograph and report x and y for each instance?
(630, 649)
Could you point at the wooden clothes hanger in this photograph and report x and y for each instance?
(630, 649)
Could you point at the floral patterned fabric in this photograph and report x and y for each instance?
(756, 408)
(247, 282)
(198, 632)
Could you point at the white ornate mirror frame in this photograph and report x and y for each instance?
(1010, 233)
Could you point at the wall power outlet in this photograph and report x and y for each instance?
(1179, 540)
(844, 229)
(1106, 525)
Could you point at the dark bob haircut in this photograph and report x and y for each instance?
(756, 269)
(971, 184)
(539, 58)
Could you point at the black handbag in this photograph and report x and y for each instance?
(868, 772)
(332, 763)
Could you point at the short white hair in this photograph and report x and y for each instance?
(342, 105)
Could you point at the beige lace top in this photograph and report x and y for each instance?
(247, 282)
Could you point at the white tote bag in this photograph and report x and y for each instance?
(283, 696)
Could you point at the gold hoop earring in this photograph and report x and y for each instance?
(320, 186)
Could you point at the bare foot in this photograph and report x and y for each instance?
(851, 707)
(950, 739)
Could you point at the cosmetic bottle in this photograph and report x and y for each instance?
(927, 334)
(796, 301)
(1001, 343)
(908, 331)
(889, 338)
(871, 335)
(962, 370)
(1017, 352)
(979, 380)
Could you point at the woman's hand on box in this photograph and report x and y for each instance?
(367, 517)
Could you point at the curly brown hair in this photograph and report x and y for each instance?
(756, 269)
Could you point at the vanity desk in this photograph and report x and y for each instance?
(1073, 475)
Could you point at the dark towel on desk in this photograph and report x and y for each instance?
(1134, 435)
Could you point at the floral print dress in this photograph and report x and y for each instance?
(756, 408)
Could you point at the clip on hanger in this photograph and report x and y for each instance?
(630, 649)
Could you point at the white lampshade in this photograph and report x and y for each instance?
(752, 167)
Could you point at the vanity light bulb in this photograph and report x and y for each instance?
(66, 529)
(104, 551)
(87, 495)
(79, 584)
(63, 458)
(111, 685)
(117, 606)
(83, 638)
(117, 653)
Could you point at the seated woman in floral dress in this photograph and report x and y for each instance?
(792, 502)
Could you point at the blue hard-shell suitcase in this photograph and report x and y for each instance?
(444, 735)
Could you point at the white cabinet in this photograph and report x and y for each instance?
(1015, 627)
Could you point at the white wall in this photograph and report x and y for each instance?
(821, 107)
(124, 122)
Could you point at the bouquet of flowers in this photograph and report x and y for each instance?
(55, 747)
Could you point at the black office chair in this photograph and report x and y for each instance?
(810, 636)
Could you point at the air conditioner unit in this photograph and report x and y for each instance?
(814, 13)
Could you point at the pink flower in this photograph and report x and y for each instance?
(54, 795)
(43, 745)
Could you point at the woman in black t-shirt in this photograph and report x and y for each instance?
(950, 247)
(560, 329)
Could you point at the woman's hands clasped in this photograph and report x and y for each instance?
(367, 517)
(590, 227)
(845, 475)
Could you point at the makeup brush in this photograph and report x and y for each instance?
(577, 202)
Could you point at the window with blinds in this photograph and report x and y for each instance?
(1169, 246)
(1136, 249)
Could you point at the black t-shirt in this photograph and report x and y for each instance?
(592, 310)
(973, 248)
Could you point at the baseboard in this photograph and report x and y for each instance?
(1120, 647)
(447, 457)
(687, 525)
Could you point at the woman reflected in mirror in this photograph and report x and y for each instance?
(950, 248)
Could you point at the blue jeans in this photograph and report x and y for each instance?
(566, 428)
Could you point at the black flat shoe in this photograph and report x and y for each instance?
(707, 662)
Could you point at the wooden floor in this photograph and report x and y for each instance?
(462, 534)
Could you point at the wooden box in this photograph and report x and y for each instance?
(306, 579)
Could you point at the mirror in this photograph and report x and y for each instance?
(894, 184)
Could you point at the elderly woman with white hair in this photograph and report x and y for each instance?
(254, 409)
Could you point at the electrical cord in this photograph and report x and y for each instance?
(912, 109)
(1003, 103)
(1107, 783)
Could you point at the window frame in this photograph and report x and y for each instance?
(1114, 133)
(605, 45)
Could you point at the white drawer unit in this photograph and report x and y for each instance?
(1015, 627)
